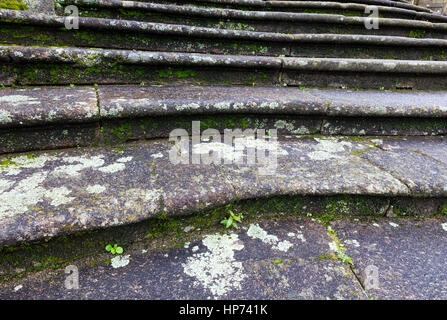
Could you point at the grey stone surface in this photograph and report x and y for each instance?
(384, 126)
(409, 256)
(49, 137)
(267, 260)
(255, 15)
(129, 101)
(45, 118)
(421, 174)
(380, 103)
(132, 101)
(40, 6)
(432, 147)
(30, 107)
(293, 4)
(196, 32)
(83, 57)
(326, 165)
(52, 193)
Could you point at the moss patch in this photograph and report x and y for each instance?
(13, 5)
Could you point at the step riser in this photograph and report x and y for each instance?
(142, 15)
(286, 26)
(45, 36)
(58, 74)
(279, 6)
(116, 132)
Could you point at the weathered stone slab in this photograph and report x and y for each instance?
(363, 80)
(380, 103)
(68, 117)
(128, 101)
(56, 65)
(30, 107)
(49, 137)
(53, 193)
(131, 101)
(384, 126)
(43, 30)
(279, 260)
(434, 147)
(40, 6)
(256, 20)
(278, 5)
(315, 166)
(398, 258)
(423, 175)
(48, 194)
(116, 131)
(186, 187)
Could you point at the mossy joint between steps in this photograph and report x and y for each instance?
(163, 233)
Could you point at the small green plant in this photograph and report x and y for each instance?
(345, 258)
(114, 249)
(277, 261)
(444, 210)
(309, 214)
(231, 221)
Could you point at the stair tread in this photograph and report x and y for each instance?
(63, 105)
(88, 57)
(204, 32)
(59, 192)
(196, 10)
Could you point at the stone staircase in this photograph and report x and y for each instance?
(85, 114)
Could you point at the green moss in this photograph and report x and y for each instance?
(341, 250)
(179, 73)
(277, 261)
(123, 131)
(416, 33)
(13, 5)
(443, 210)
(4, 163)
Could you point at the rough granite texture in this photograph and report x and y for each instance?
(260, 261)
(288, 258)
(40, 106)
(293, 4)
(48, 118)
(40, 6)
(52, 193)
(409, 256)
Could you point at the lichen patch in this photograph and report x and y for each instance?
(217, 269)
(95, 189)
(120, 261)
(256, 232)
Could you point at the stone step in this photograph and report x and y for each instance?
(143, 11)
(24, 28)
(266, 258)
(54, 193)
(273, 21)
(281, 4)
(291, 5)
(52, 118)
(59, 65)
